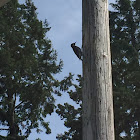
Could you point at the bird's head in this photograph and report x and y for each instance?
(73, 44)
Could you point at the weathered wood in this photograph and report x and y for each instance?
(2, 2)
(98, 120)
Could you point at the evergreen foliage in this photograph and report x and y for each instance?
(72, 116)
(28, 64)
(125, 44)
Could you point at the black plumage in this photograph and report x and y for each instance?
(77, 51)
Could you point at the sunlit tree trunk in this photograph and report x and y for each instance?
(98, 120)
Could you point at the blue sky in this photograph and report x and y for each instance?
(65, 19)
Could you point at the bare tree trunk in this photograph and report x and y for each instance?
(98, 120)
(2, 2)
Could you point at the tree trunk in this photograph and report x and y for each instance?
(11, 115)
(98, 120)
(2, 2)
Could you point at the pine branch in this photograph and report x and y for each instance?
(19, 104)
(4, 129)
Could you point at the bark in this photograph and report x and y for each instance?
(2, 2)
(11, 115)
(98, 120)
(138, 129)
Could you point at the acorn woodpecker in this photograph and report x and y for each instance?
(77, 50)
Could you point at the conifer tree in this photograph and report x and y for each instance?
(125, 42)
(28, 64)
(72, 115)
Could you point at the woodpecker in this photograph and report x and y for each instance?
(77, 50)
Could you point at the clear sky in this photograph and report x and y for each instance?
(65, 19)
